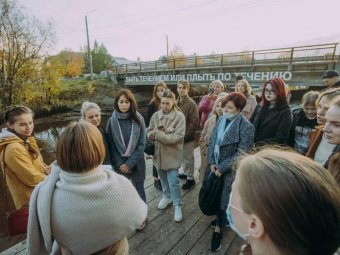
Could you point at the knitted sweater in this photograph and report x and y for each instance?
(82, 212)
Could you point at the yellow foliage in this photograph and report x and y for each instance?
(90, 88)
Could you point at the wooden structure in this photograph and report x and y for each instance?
(301, 65)
(163, 235)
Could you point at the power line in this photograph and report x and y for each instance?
(147, 18)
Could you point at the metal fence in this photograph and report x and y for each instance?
(312, 53)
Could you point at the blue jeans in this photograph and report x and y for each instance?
(170, 185)
(139, 186)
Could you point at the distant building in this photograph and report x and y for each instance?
(116, 61)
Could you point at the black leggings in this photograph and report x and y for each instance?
(154, 172)
(221, 219)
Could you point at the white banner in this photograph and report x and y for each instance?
(252, 76)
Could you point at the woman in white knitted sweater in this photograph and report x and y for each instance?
(83, 208)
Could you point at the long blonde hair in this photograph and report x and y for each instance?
(297, 201)
(155, 98)
(168, 94)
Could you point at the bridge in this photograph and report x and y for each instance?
(298, 66)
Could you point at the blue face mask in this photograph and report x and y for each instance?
(231, 221)
(229, 116)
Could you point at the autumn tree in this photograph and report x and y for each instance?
(23, 42)
(71, 63)
(101, 59)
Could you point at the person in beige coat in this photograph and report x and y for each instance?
(206, 133)
(167, 129)
(244, 87)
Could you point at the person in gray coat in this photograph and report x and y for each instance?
(127, 135)
(233, 134)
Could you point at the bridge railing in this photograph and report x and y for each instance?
(311, 53)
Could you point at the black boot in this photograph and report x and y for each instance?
(189, 184)
(158, 184)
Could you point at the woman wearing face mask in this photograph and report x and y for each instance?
(292, 206)
(319, 149)
(206, 135)
(232, 135)
(272, 118)
(304, 122)
(207, 102)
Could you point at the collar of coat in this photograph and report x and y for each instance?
(233, 134)
(171, 115)
(184, 99)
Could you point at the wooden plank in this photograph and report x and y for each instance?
(235, 247)
(203, 244)
(16, 249)
(191, 237)
(165, 232)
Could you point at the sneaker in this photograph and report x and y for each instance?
(216, 242)
(158, 184)
(227, 224)
(213, 223)
(164, 203)
(178, 213)
(182, 176)
(189, 184)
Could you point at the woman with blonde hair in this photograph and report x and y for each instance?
(304, 122)
(292, 206)
(82, 207)
(332, 134)
(243, 87)
(207, 102)
(154, 106)
(167, 130)
(91, 113)
(319, 149)
(206, 135)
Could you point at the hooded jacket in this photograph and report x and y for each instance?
(21, 170)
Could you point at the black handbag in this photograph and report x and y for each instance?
(149, 148)
(210, 194)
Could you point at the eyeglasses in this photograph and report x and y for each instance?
(269, 91)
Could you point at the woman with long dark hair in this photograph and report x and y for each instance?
(126, 132)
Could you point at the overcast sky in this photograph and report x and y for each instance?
(137, 28)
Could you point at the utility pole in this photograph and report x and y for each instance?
(88, 48)
(167, 47)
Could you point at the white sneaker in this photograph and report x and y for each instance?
(164, 203)
(178, 213)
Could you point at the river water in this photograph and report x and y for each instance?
(47, 132)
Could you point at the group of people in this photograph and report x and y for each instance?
(281, 201)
